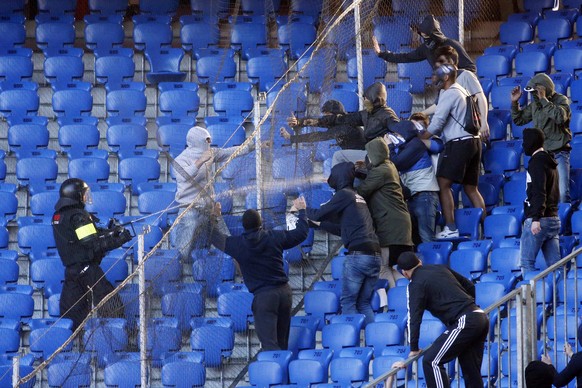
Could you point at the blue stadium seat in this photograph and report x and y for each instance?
(44, 342)
(312, 73)
(25, 138)
(91, 170)
(493, 67)
(123, 374)
(302, 333)
(382, 334)
(24, 370)
(236, 103)
(125, 103)
(499, 226)
(336, 336)
(471, 263)
(133, 171)
(554, 30)
(179, 103)
(547, 48)
(115, 71)
(162, 269)
(74, 139)
(264, 71)
(172, 138)
(514, 193)
(104, 337)
(212, 69)
(236, 305)
(106, 205)
(152, 202)
(468, 220)
(69, 374)
(163, 336)
(115, 269)
(537, 5)
(347, 370)
(401, 102)
(12, 7)
(48, 276)
(35, 173)
(15, 68)
(501, 160)
(183, 373)
(305, 7)
(568, 61)
(183, 306)
(505, 267)
(152, 35)
(195, 36)
(321, 304)
(8, 207)
(508, 51)
(248, 32)
(443, 250)
(155, 7)
(417, 73)
(108, 7)
(164, 65)
(61, 70)
(16, 306)
(393, 34)
(8, 272)
(72, 102)
(516, 211)
(18, 103)
(57, 7)
(296, 37)
(375, 69)
(530, 63)
(54, 36)
(569, 14)
(500, 97)
(265, 373)
(349, 99)
(215, 342)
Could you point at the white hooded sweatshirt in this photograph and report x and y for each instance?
(190, 179)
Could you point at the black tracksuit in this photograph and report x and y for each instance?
(571, 371)
(259, 253)
(543, 192)
(82, 246)
(450, 297)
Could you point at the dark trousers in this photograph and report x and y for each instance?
(272, 313)
(85, 286)
(465, 340)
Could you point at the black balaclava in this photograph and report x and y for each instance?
(533, 139)
(334, 107)
(251, 219)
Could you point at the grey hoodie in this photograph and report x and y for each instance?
(190, 179)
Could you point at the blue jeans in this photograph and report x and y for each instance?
(423, 207)
(563, 159)
(359, 279)
(547, 240)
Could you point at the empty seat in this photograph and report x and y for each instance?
(183, 373)
(568, 60)
(75, 139)
(91, 170)
(530, 63)
(107, 205)
(18, 103)
(48, 275)
(116, 72)
(152, 35)
(35, 173)
(195, 36)
(264, 71)
(133, 171)
(247, 33)
(129, 140)
(493, 66)
(553, 30)
(15, 68)
(417, 73)
(60, 70)
(103, 37)
(25, 138)
(125, 103)
(179, 103)
(296, 37)
(375, 69)
(212, 69)
(108, 7)
(72, 102)
(54, 36)
(164, 65)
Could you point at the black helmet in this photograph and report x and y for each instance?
(75, 189)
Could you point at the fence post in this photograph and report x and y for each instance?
(525, 310)
(142, 312)
(15, 371)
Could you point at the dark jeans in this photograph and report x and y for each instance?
(465, 340)
(423, 207)
(272, 313)
(359, 279)
(76, 299)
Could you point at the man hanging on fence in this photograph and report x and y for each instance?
(259, 253)
(450, 297)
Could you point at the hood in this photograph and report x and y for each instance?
(254, 237)
(196, 138)
(548, 159)
(376, 94)
(342, 176)
(377, 151)
(430, 26)
(542, 79)
(334, 107)
(406, 129)
(533, 139)
(66, 202)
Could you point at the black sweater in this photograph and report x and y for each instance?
(376, 123)
(571, 371)
(543, 192)
(347, 137)
(259, 253)
(440, 290)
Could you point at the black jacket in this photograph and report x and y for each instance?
(441, 291)
(346, 214)
(259, 253)
(431, 27)
(571, 371)
(78, 239)
(346, 136)
(543, 191)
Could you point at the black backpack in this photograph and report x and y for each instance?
(472, 123)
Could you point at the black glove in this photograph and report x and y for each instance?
(124, 235)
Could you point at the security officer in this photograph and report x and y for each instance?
(82, 246)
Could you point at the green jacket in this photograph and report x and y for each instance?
(552, 116)
(382, 191)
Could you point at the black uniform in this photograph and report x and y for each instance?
(451, 298)
(82, 246)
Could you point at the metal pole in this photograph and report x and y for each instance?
(258, 150)
(15, 371)
(142, 312)
(359, 63)
(522, 301)
(461, 21)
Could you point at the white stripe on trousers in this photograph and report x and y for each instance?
(446, 346)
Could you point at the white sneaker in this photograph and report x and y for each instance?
(447, 233)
